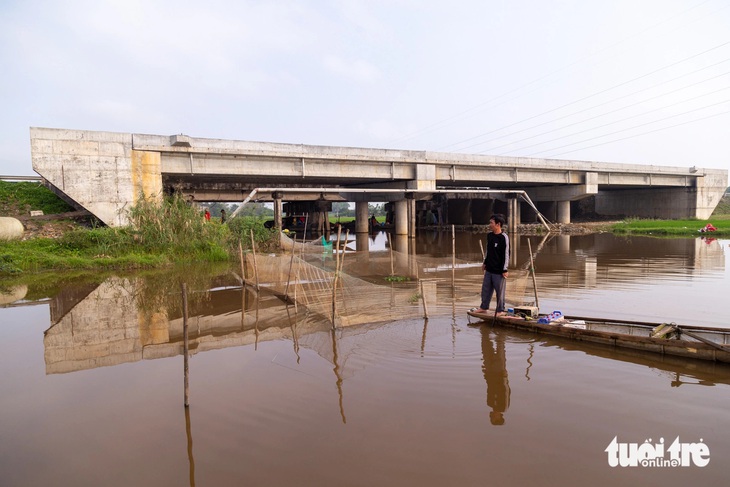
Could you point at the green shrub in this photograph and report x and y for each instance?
(241, 228)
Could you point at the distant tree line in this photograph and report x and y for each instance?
(261, 210)
(258, 210)
(345, 209)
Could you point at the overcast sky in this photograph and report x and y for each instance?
(631, 81)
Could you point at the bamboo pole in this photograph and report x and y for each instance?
(186, 346)
(243, 263)
(191, 459)
(344, 246)
(532, 271)
(243, 284)
(453, 257)
(334, 281)
(390, 245)
(482, 248)
(291, 264)
(255, 269)
(423, 299)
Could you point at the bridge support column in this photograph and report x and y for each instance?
(563, 212)
(401, 217)
(277, 210)
(411, 215)
(361, 217)
(514, 215)
(362, 242)
(400, 243)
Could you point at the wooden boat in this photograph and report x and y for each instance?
(662, 338)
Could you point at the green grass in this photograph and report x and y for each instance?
(348, 219)
(161, 235)
(723, 208)
(684, 228)
(22, 197)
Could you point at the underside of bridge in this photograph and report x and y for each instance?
(106, 173)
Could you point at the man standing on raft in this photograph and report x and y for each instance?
(495, 266)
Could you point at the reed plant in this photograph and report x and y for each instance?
(172, 226)
(240, 231)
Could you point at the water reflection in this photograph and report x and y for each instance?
(676, 371)
(278, 375)
(122, 320)
(127, 319)
(494, 368)
(189, 435)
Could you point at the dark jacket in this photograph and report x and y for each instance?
(497, 258)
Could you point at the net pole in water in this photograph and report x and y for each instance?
(423, 299)
(532, 271)
(291, 265)
(334, 281)
(390, 245)
(243, 284)
(186, 347)
(255, 269)
(453, 257)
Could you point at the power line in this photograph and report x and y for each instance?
(599, 105)
(630, 128)
(591, 55)
(607, 89)
(609, 123)
(644, 133)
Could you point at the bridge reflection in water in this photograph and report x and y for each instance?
(127, 319)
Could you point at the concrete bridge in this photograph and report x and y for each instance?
(106, 172)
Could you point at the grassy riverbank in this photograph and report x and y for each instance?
(160, 235)
(680, 228)
(674, 228)
(176, 233)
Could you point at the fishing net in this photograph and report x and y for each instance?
(352, 288)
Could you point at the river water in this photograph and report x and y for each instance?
(93, 374)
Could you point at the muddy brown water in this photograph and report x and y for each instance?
(92, 381)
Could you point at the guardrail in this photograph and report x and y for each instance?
(21, 178)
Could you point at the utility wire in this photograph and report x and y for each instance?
(591, 55)
(606, 124)
(631, 128)
(644, 133)
(599, 105)
(608, 89)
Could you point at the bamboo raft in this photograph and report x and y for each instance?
(695, 342)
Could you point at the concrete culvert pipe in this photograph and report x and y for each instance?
(10, 228)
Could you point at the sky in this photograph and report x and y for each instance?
(628, 81)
